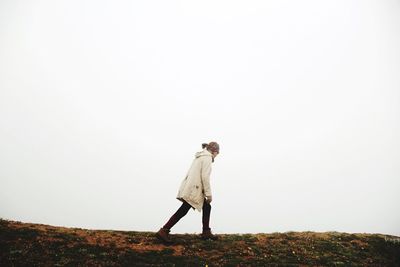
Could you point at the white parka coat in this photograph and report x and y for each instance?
(196, 186)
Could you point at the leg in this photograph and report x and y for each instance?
(206, 215)
(206, 222)
(182, 211)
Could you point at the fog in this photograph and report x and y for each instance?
(103, 105)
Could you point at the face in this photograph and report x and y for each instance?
(214, 154)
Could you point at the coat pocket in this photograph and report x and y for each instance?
(196, 194)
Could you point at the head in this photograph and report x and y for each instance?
(213, 147)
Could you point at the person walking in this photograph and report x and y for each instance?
(195, 192)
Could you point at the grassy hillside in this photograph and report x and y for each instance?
(27, 244)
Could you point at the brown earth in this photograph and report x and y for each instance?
(28, 244)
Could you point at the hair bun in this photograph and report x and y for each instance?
(204, 145)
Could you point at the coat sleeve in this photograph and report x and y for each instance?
(205, 176)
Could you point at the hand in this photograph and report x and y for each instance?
(209, 199)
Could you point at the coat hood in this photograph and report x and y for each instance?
(205, 152)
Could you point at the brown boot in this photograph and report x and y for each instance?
(208, 235)
(163, 235)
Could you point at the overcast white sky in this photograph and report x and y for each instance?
(104, 103)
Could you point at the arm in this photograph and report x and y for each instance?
(205, 176)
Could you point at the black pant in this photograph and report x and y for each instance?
(183, 210)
